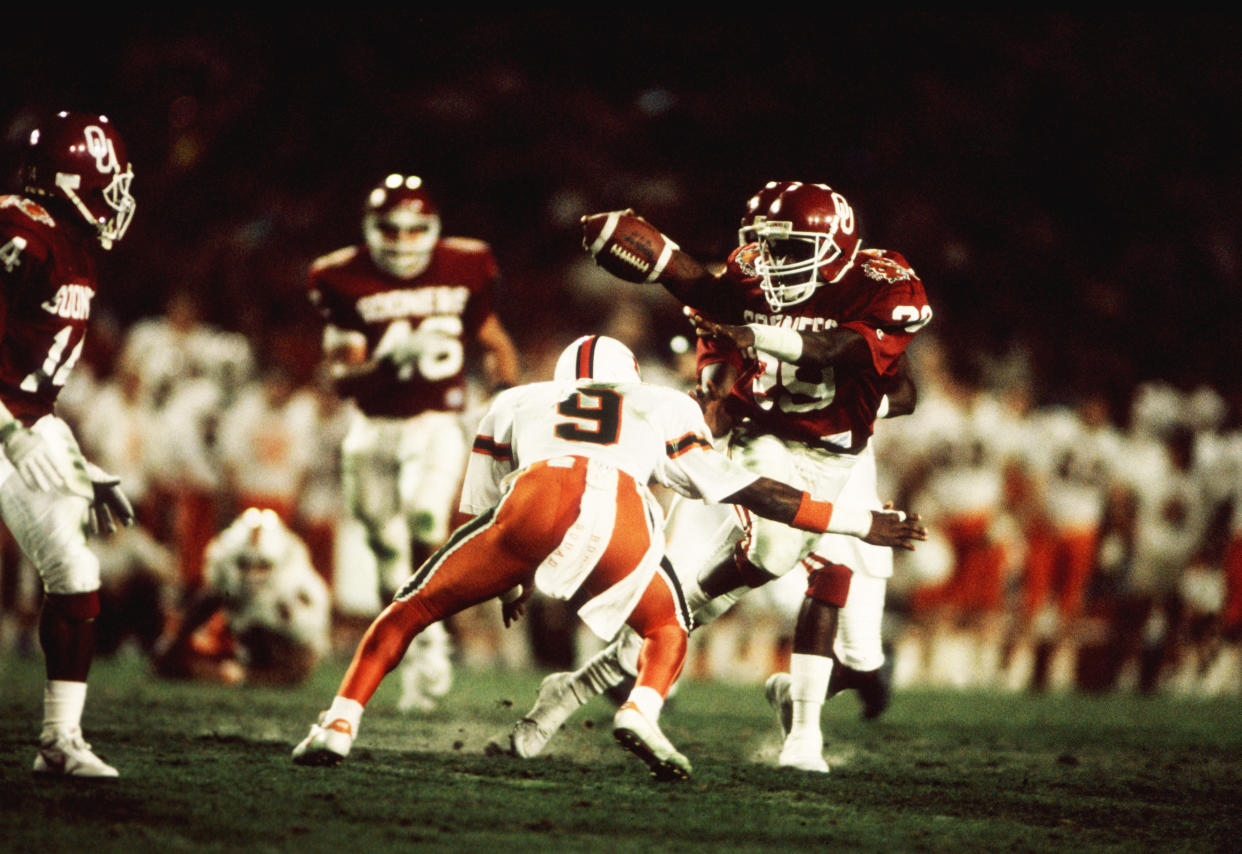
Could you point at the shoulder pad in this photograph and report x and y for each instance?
(30, 209)
(884, 266)
(339, 258)
(467, 245)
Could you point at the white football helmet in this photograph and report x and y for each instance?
(401, 225)
(597, 358)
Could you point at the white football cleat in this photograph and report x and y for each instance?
(555, 703)
(644, 739)
(326, 744)
(776, 689)
(65, 752)
(803, 754)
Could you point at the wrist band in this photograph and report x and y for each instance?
(784, 344)
(813, 515)
(9, 429)
(847, 520)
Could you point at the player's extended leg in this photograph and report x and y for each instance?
(800, 696)
(433, 455)
(48, 528)
(490, 554)
(663, 653)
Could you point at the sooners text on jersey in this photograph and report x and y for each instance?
(451, 298)
(47, 284)
(880, 297)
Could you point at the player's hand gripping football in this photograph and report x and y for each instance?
(629, 247)
(894, 529)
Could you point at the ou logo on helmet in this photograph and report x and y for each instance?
(100, 147)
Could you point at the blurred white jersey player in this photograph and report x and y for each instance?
(276, 607)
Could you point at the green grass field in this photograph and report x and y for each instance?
(207, 768)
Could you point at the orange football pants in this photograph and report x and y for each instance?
(501, 549)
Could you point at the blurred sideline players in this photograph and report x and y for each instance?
(263, 614)
(794, 394)
(76, 177)
(558, 490)
(400, 314)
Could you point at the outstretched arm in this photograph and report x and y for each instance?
(781, 502)
(836, 346)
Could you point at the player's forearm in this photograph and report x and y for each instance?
(835, 346)
(781, 502)
(689, 281)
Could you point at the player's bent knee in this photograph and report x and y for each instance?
(75, 571)
(830, 583)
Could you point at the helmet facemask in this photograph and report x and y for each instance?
(792, 264)
(401, 240)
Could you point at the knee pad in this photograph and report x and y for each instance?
(829, 583)
(74, 607)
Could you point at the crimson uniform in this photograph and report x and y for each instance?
(408, 302)
(76, 166)
(404, 455)
(451, 299)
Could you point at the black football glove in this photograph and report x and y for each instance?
(109, 507)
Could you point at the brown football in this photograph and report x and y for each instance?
(626, 245)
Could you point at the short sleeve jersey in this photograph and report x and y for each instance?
(651, 433)
(47, 284)
(880, 297)
(451, 298)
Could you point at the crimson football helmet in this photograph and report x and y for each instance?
(80, 158)
(756, 209)
(401, 224)
(597, 358)
(807, 237)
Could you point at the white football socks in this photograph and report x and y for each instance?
(808, 683)
(63, 703)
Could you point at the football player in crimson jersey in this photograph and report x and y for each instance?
(75, 180)
(801, 344)
(557, 486)
(401, 312)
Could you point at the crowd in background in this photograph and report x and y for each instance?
(1065, 185)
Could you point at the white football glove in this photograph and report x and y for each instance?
(109, 505)
(34, 460)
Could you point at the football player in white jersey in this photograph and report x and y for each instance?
(278, 614)
(558, 487)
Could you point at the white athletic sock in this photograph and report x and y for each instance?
(713, 608)
(601, 672)
(62, 706)
(347, 710)
(808, 683)
(648, 701)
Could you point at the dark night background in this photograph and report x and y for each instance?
(1068, 184)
